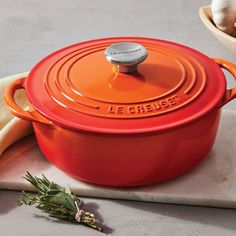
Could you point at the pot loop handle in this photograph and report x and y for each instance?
(231, 68)
(16, 110)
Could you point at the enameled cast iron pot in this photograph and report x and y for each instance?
(103, 118)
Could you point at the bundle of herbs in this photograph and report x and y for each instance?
(59, 202)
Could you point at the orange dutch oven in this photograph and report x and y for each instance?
(125, 111)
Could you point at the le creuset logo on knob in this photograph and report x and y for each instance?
(126, 52)
(126, 56)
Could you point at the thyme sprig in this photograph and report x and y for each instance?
(59, 202)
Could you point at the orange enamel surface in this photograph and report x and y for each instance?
(80, 89)
(16, 110)
(128, 160)
(230, 93)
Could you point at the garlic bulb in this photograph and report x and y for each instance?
(224, 15)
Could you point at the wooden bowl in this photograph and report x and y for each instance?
(206, 17)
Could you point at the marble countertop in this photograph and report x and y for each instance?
(30, 29)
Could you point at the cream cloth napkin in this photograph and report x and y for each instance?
(11, 127)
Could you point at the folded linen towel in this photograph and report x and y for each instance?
(12, 128)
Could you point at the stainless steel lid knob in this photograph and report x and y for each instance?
(126, 56)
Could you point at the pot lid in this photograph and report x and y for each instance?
(125, 85)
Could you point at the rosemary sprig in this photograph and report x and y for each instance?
(59, 202)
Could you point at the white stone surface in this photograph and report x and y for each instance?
(212, 183)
